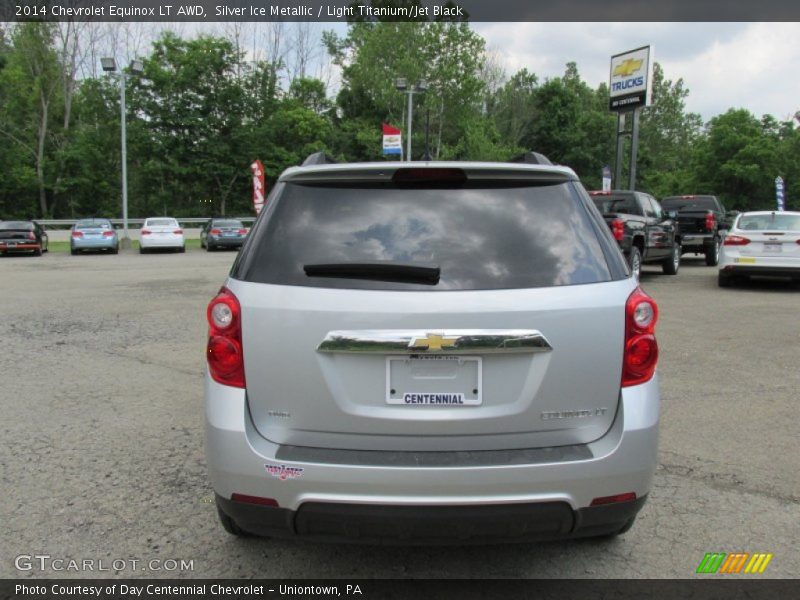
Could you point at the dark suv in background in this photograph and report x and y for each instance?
(644, 232)
(703, 222)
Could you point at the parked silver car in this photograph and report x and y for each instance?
(431, 352)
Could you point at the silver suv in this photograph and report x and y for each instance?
(431, 352)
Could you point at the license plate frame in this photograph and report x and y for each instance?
(443, 381)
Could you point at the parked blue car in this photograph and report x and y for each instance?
(93, 234)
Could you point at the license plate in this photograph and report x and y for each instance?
(687, 238)
(434, 380)
(775, 247)
(745, 259)
(11, 244)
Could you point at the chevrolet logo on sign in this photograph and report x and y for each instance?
(432, 342)
(627, 67)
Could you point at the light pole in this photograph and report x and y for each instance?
(401, 84)
(110, 66)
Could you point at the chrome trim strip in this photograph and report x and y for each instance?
(448, 341)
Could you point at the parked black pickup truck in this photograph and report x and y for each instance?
(702, 220)
(643, 230)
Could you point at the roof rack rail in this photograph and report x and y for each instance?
(318, 158)
(531, 158)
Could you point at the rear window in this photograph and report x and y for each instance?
(617, 203)
(773, 222)
(236, 224)
(161, 223)
(25, 225)
(695, 203)
(93, 225)
(479, 238)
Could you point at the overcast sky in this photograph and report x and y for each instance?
(750, 65)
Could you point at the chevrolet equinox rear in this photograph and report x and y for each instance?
(430, 353)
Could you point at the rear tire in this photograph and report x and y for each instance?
(38, 251)
(635, 262)
(230, 525)
(141, 250)
(672, 263)
(724, 279)
(712, 254)
(182, 249)
(73, 252)
(115, 250)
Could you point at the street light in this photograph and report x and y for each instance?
(110, 66)
(401, 84)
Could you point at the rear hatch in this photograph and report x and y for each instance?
(692, 212)
(350, 342)
(13, 232)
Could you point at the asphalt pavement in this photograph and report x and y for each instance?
(101, 385)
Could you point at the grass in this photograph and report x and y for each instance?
(63, 247)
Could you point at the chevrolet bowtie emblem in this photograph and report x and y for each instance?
(433, 342)
(627, 67)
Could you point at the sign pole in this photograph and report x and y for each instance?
(634, 147)
(620, 150)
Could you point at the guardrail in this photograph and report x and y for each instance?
(182, 221)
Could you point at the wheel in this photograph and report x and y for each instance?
(73, 252)
(229, 524)
(672, 263)
(38, 251)
(141, 250)
(712, 254)
(115, 249)
(724, 279)
(635, 262)
(182, 249)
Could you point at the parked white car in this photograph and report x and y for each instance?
(161, 233)
(761, 243)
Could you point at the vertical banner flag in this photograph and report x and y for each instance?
(258, 186)
(779, 192)
(392, 140)
(606, 178)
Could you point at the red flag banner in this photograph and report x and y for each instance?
(392, 140)
(258, 186)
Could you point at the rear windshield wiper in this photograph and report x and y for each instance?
(377, 271)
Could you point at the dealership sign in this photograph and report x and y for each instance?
(630, 82)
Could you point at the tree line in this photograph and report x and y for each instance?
(203, 109)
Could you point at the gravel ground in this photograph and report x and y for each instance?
(102, 429)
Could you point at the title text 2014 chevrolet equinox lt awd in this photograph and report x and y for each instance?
(431, 352)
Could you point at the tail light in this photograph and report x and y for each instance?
(735, 240)
(224, 350)
(243, 231)
(108, 234)
(77, 234)
(710, 222)
(30, 235)
(618, 229)
(178, 231)
(215, 231)
(146, 232)
(641, 349)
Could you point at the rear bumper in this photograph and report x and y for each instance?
(94, 244)
(147, 242)
(762, 270)
(20, 247)
(692, 242)
(382, 524)
(225, 242)
(548, 495)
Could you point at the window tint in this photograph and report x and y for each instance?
(696, 202)
(487, 238)
(26, 225)
(617, 203)
(773, 222)
(228, 223)
(161, 223)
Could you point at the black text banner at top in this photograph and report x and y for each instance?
(332, 11)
